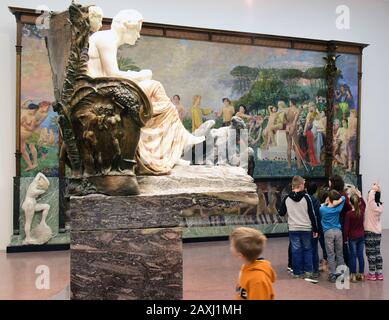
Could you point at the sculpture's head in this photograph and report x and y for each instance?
(95, 18)
(128, 23)
(41, 182)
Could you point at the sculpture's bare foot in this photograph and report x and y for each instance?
(196, 140)
(205, 128)
(30, 240)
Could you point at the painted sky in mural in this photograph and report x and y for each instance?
(187, 67)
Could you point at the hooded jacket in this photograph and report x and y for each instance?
(256, 281)
(373, 214)
(301, 216)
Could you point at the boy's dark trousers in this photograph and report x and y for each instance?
(301, 247)
(289, 255)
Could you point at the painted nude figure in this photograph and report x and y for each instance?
(30, 206)
(164, 137)
(227, 112)
(352, 140)
(292, 116)
(30, 121)
(180, 108)
(273, 125)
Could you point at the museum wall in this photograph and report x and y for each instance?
(301, 18)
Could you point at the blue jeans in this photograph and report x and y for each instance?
(356, 249)
(301, 243)
(315, 254)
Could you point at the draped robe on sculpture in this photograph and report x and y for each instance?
(164, 137)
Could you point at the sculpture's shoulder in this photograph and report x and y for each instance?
(103, 38)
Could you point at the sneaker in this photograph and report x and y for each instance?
(360, 277)
(316, 275)
(332, 278)
(290, 270)
(310, 278)
(379, 276)
(371, 277)
(298, 276)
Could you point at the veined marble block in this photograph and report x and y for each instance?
(131, 247)
(127, 264)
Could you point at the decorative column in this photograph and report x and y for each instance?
(331, 72)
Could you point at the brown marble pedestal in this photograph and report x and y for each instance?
(131, 247)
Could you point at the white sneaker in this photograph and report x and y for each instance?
(310, 278)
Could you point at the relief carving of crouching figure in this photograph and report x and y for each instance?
(42, 233)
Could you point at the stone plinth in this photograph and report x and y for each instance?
(131, 247)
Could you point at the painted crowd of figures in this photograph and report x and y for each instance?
(301, 125)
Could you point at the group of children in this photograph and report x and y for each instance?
(343, 226)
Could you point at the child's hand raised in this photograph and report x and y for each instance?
(376, 187)
(358, 193)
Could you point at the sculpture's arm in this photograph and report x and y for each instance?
(109, 64)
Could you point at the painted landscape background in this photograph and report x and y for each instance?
(264, 80)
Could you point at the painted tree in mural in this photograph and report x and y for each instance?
(266, 91)
(316, 77)
(290, 77)
(243, 78)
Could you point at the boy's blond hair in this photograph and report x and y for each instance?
(249, 242)
(297, 181)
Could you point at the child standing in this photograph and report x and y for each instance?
(373, 231)
(333, 237)
(322, 197)
(354, 235)
(256, 276)
(336, 183)
(311, 190)
(302, 225)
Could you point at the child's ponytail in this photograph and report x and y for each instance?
(355, 203)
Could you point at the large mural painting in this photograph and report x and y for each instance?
(279, 93)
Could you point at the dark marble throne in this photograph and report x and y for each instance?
(99, 118)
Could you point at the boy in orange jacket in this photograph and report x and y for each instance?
(256, 276)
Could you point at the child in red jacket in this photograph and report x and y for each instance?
(354, 235)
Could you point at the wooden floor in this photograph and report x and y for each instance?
(210, 272)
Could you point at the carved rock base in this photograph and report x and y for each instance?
(130, 247)
(112, 185)
(126, 264)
